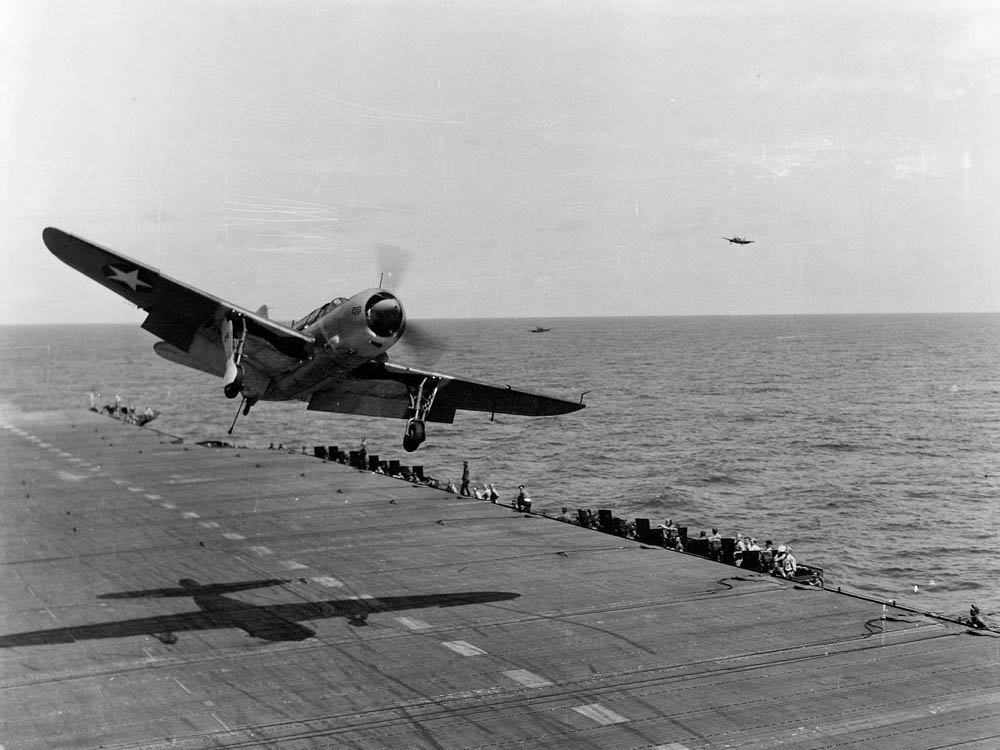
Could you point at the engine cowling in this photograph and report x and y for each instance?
(363, 326)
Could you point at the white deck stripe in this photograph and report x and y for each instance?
(190, 514)
(261, 550)
(526, 678)
(233, 535)
(151, 496)
(208, 524)
(463, 647)
(600, 714)
(672, 746)
(292, 565)
(330, 583)
(413, 623)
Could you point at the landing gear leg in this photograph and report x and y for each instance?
(420, 405)
(234, 336)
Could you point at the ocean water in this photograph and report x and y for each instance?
(869, 443)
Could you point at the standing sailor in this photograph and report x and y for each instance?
(465, 478)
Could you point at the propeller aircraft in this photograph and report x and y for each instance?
(335, 358)
(738, 241)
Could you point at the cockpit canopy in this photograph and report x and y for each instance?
(318, 313)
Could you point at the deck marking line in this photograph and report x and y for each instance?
(232, 535)
(600, 714)
(168, 506)
(260, 549)
(330, 583)
(151, 496)
(672, 746)
(209, 524)
(221, 722)
(67, 477)
(413, 623)
(182, 685)
(526, 678)
(292, 565)
(135, 489)
(463, 648)
(190, 514)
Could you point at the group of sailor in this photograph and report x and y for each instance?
(124, 412)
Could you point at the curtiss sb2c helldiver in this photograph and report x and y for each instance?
(335, 358)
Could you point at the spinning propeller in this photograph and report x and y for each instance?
(393, 262)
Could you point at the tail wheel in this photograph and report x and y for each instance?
(413, 436)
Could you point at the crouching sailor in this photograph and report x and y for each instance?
(523, 502)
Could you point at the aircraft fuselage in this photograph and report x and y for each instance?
(348, 333)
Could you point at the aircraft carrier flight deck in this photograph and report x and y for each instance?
(160, 594)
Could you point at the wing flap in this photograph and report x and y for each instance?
(373, 397)
(457, 393)
(170, 352)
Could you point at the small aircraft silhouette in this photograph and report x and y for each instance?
(738, 241)
(335, 358)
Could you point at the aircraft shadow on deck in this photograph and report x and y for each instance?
(269, 622)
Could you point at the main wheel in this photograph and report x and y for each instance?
(414, 435)
(233, 389)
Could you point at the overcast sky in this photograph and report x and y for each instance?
(535, 159)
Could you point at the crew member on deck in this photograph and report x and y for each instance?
(523, 502)
(975, 621)
(784, 562)
(715, 546)
(465, 479)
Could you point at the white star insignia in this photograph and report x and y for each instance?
(130, 279)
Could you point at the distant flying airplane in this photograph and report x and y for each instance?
(738, 241)
(540, 329)
(335, 358)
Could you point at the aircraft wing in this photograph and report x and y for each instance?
(382, 389)
(178, 313)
